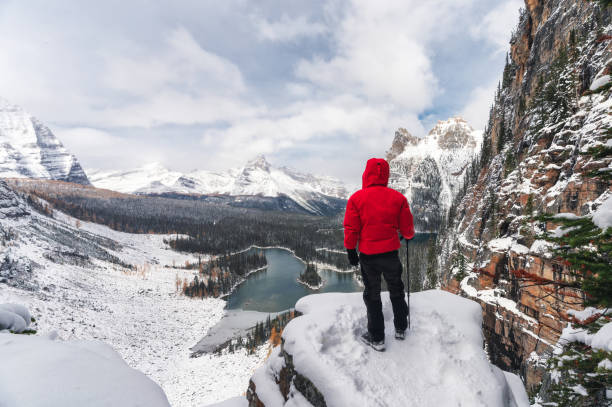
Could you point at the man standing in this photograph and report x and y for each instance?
(373, 217)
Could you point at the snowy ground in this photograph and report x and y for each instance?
(40, 371)
(441, 362)
(233, 324)
(137, 312)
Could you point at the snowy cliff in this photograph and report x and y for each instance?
(441, 363)
(29, 149)
(257, 178)
(552, 107)
(430, 171)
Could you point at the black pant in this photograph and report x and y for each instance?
(389, 265)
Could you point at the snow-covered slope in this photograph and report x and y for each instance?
(152, 178)
(39, 371)
(29, 149)
(73, 277)
(430, 171)
(257, 178)
(441, 363)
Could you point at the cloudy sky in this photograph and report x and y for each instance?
(317, 85)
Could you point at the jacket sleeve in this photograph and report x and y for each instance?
(405, 221)
(352, 225)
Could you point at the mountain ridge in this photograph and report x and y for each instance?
(29, 149)
(256, 179)
(430, 171)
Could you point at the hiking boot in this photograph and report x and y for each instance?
(401, 335)
(376, 345)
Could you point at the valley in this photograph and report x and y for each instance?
(235, 284)
(85, 280)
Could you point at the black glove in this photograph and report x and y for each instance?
(353, 258)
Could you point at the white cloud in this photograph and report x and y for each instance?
(366, 131)
(476, 109)
(179, 62)
(179, 83)
(93, 146)
(370, 70)
(382, 51)
(497, 24)
(288, 29)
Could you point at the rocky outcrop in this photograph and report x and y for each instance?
(288, 380)
(546, 115)
(401, 140)
(431, 171)
(322, 362)
(29, 149)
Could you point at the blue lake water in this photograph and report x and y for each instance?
(276, 288)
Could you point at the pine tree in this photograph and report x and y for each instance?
(587, 251)
(416, 279)
(508, 73)
(432, 265)
(599, 152)
(529, 205)
(492, 212)
(460, 265)
(604, 3)
(501, 134)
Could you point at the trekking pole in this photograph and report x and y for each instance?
(408, 280)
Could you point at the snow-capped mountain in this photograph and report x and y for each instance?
(258, 178)
(29, 149)
(430, 171)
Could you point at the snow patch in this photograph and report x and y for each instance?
(14, 317)
(38, 371)
(602, 217)
(602, 339)
(600, 81)
(585, 314)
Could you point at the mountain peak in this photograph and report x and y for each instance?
(154, 166)
(29, 149)
(256, 178)
(6, 105)
(400, 141)
(453, 133)
(259, 162)
(430, 170)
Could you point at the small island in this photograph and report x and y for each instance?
(310, 277)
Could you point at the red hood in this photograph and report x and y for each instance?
(376, 173)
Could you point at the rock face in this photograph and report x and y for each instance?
(256, 184)
(546, 116)
(29, 149)
(431, 171)
(289, 381)
(322, 362)
(400, 141)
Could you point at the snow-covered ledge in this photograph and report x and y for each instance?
(441, 363)
(42, 371)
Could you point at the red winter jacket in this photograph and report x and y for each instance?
(375, 213)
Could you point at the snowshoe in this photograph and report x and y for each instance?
(376, 345)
